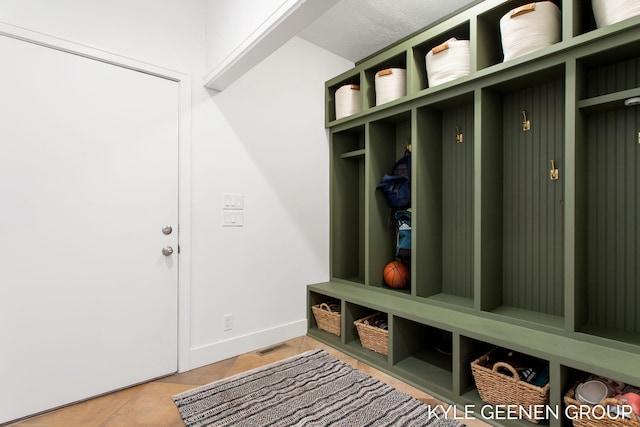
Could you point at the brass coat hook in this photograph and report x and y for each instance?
(458, 135)
(526, 123)
(554, 175)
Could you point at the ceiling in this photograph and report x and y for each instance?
(355, 29)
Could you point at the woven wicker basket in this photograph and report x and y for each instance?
(595, 416)
(372, 337)
(496, 388)
(327, 317)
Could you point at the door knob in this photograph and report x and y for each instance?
(167, 229)
(167, 250)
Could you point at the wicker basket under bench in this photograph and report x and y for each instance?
(372, 337)
(328, 316)
(496, 388)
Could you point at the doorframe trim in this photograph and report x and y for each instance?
(183, 80)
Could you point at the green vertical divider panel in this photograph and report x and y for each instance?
(416, 76)
(427, 170)
(488, 200)
(575, 204)
(555, 404)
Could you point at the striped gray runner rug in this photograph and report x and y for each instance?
(310, 389)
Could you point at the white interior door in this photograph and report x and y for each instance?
(88, 179)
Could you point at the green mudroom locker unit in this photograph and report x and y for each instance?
(525, 188)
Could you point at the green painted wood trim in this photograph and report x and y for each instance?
(427, 158)
(556, 391)
(568, 341)
(571, 350)
(488, 200)
(607, 102)
(487, 64)
(573, 225)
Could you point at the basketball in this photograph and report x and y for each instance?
(396, 275)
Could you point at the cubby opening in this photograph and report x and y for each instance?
(353, 340)
(347, 204)
(610, 76)
(331, 94)
(397, 61)
(470, 350)
(315, 299)
(445, 197)
(572, 378)
(388, 141)
(583, 19)
(419, 65)
(423, 353)
(608, 229)
(490, 389)
(522, 207)
(489, 43)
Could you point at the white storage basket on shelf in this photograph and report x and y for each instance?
(530, 27)
(347, 101)
(609, 12)
(391, 84)
(448, 61)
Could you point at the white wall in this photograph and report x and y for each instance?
(242, 33)
(262, 137)
(230, 23)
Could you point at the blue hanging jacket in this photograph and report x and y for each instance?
(397, 186)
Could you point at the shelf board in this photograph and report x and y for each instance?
(613, 334)
(428, 368)
(607, 102)
(356, 347)
(353, 154)
(324, 335)
(549, 343)
(530, 316)
(452, 300)
(356, 280)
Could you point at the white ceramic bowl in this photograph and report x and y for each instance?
(591, 392)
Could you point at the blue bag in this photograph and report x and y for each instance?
(397, 186)
(403, 241)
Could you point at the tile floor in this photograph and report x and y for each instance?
(150, 404)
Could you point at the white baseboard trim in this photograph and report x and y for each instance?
(211, 353)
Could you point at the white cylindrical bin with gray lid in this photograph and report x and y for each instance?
(347, 100)
(608, 12)
(530, 27)
(391, 83)
(448, 61)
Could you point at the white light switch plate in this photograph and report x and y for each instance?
(232, 201)
(232, 219)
